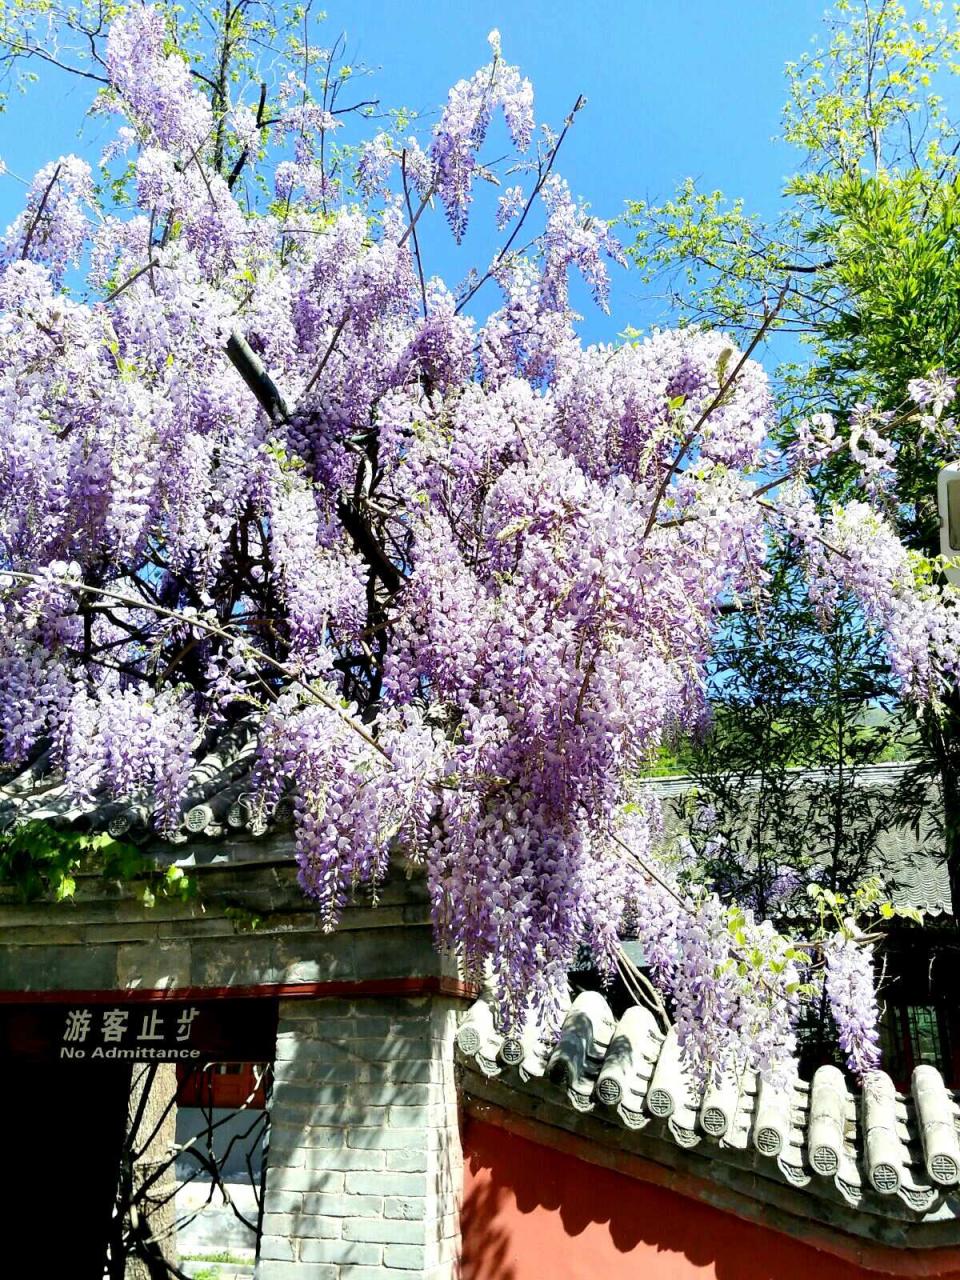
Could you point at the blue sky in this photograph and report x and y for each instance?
(674, 89)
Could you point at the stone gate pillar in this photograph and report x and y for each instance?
(364, 1168)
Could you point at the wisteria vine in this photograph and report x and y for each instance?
(461, 572)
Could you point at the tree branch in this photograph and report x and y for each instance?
(212, 628)
(39, 214)
(714, 403)
(271, 400)
(416, 242)
(580, 103)
(245, 154)
(251, 369)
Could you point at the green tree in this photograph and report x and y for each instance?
(865, 258)
(801, 705)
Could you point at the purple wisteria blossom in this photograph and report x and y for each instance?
(853, 1003)
(463, 127)
(459, 572)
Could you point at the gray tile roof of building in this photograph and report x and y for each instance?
(871, 1161)
(912, 866)
(220, 799)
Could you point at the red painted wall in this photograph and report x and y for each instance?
(533, 1213)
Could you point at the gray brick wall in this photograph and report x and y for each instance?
(365, 1169)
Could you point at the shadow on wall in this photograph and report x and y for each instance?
(530, 1211)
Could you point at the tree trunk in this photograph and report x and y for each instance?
(152, 1123)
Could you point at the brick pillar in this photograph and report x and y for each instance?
(364, 1172)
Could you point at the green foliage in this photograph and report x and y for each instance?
(867, 251)
(243, 919)
(236, 51)
(222, 1256)
(844, 913)
(866, 246)
(41, 860)
(707, 248)
(800, 705)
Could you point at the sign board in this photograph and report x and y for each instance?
(187, 1032)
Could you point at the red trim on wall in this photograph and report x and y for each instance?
(358, 989)
(579, 1209)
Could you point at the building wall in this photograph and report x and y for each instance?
(363, 1164)
(531, 1211)
(364, 1169)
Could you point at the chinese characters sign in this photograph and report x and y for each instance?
(155, 1035)
(162, 1031)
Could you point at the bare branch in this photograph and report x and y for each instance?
(132, 280)
(39, 213)
(580, 103)
(212, 628)
(717, 400)
(416, 242)
(245, 154)
(250, 368)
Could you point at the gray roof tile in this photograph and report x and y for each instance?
(913, 867)
(885, 1155)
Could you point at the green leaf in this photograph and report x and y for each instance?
(65, 888)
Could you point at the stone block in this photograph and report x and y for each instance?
(282, 1202)
(401, 1117)
(328, 1024)
(386, 1184)
(316, 958)
(384, 1139)
(342, 1073)
(83, 968)
(17, 932)
(300, 1138)
(291, 1227)
(406, 1160)
(420, 1070)
(338, 1115)
(287, 1145)
(345, 1158)
(299, 1178)
(382, 1093)
(384, 1230)
(340, 1251)
(238, 961)
(405, 1257)
(406, 952)
(162, 966)
(277, 1247)
(401, 1207)
(269, 1270)
(288, 1158)
(342, 1206)
(350, 1272)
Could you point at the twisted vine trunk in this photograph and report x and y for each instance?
(151, 1134)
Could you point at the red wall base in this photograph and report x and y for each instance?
(532, 1212)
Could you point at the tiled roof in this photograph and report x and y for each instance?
(219, 800)
(920, 880)
(889, 1163)
(912, 865)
